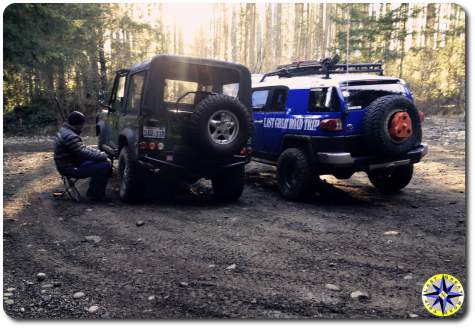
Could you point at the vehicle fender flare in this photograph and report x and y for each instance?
(127, 138)
(299, 141)
(102, 133)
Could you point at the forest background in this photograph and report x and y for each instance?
(73, 50)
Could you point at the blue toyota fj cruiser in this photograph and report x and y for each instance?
(320, 117)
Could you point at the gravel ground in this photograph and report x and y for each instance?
(262, 257)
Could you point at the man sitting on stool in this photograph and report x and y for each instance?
(74, 159)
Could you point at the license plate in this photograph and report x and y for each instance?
(154, 132)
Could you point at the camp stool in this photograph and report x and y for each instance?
(70, 188)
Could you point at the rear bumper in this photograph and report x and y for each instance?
(368, 163)
(197, 167)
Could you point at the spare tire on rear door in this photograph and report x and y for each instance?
(219, 125)
(392, 125)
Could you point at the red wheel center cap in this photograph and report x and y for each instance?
(400, 126)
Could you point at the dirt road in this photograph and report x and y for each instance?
(262, 257)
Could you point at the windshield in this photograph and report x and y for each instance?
(360, 96)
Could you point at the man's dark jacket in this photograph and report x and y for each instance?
(70, 151)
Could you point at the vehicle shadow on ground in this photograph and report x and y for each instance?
(201, 193)
(182, 194)
(325, 193)
(329, 194)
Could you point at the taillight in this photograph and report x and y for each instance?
(331, 124)
(246, 151)
(152, 145)
(422, 116)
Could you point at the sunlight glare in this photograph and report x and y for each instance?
(188, 18)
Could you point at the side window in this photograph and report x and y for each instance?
(259, 99)
(135, 92)
(279, 98)
(323, 100)
(316, 101)
(335, 101)
(119, 94)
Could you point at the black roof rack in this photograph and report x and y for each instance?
(325, 66)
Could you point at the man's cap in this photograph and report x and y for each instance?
(76, 118)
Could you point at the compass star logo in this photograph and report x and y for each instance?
(442, 295)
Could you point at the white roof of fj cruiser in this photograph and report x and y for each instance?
(315, 81)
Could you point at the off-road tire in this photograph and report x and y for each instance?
(130, 176)
(228, 184)
(197, 127)
(295, 176)
(391, 181)
(375, 125)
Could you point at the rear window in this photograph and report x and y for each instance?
(231, 89)
(360, 96)
(174, 89)
(182, 78)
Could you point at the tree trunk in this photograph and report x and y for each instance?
(319, 33)
(267, 52)
(62, 87)
(252, 34)
(403, 11)
(429, 25)
(225, 36)
(259, 54)
(234, 33)
(277, 33)
(92, 85)
(102, 64)
(326, 33)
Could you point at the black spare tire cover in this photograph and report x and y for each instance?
(377, 124)
(219, 125)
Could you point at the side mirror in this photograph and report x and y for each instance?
(106, 106)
